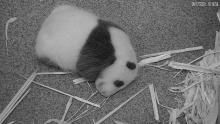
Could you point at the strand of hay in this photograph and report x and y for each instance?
(200, 91)
(76, 80)
(66, 110)
(117, 108)
(81, 107)
(154, 59)
(204, 102)
(11, 122)
(175, 113)
(6, 31)
(79, 80)
(173, 51)
(195, 60)
(90, 88)
(54, 120)
(74, 97)
(81, 114)
(119, 122)
(159, 66)
(182, 89)
(16, 104)
(89, 112)
(189, 67)
(158, 102)
(12, 104)
(64, 115)
(61, 92)
(153, 98)
(52, 73)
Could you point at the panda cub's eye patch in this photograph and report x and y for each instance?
(131, 65)
(118, 83)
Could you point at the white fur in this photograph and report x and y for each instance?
(118, 71)
(63, 34)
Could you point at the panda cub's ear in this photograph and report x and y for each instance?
(131, 65)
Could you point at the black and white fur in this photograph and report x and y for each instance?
(97, 50)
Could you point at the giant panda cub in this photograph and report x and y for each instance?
(100, 51)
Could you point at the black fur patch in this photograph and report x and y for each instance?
(131, 65)
(97, 53)
(118, 83)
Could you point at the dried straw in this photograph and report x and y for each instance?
(17, 98)
(6, 31)
(74, 97)
(195, 60)
(173, 51)
(89, 112)
(52, 73)
(79, 80)
(61, 92)
(117, 108)
(154, 59)
(54, 120)
(189, 67)
(81, 107)
(11, 122)
(66, 110)
(119, 122)
(153, 98)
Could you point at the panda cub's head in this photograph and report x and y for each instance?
(116, 77)
(108, 58)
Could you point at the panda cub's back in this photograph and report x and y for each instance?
(63, 34)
